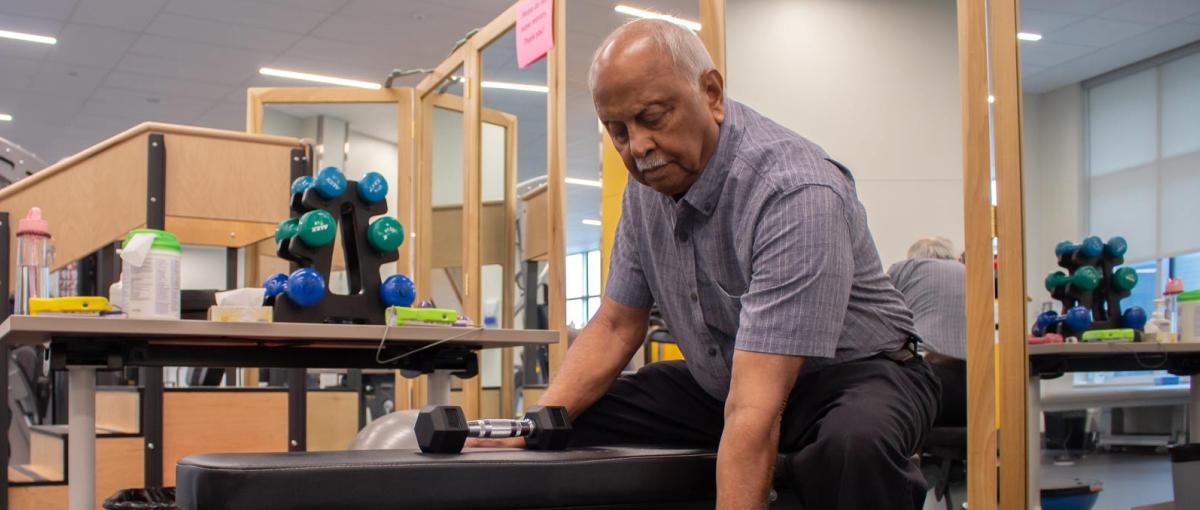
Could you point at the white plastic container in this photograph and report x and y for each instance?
(150, 274)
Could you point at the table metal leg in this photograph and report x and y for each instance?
(81, 439)
(297, 410)
(1033, 428)
(1194, 411)
(439, 388)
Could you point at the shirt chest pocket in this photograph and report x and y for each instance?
(721, 302)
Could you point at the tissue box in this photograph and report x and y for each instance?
(226, 313)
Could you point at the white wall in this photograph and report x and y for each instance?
(1053, 181)
(447, 157)
(874, 82)
(371, 154)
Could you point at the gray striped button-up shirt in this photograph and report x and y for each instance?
(935, 291)
(768, 251)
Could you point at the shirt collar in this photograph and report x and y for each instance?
(706, 191)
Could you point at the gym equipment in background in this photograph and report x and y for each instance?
(322, 206)
(443, 429)
(1091, 290)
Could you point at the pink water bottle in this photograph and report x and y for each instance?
(34, 254)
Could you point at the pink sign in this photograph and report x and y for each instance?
(535, 30)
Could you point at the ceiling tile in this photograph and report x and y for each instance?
(51, 9)
(1046, 53)
(247, 12)
(162, 85)
(42, 108)
(1096, 32)
(222, 34)
(23, 49)
(67, 80)
(172, 68)
(132, 15)
(224, 116)
(1042, 22)
(18, 73)
(1083, 7)
(1153, 12)
(90, 45)
(134, 105)
(200, 54)
(316, 5)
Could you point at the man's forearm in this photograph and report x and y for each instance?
(746, 459)
(592, 363)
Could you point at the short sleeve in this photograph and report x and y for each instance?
(626, 281)
(801, 273)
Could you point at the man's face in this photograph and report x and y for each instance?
(664, 125)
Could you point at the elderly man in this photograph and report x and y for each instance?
(933, 283)
(755, 247)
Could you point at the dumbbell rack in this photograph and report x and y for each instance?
(362, 305)
(1105, 300)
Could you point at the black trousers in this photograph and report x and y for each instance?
(852, 429)
(953, 411)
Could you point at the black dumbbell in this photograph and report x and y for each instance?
(443, 429)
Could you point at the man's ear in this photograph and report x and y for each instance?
(713, 86)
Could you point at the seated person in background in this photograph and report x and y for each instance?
(754, 245)
(933, 284)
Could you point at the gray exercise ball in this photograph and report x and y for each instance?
(392, 431)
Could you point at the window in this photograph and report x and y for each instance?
(1143, 156)
(1146, 290)
(583, 287)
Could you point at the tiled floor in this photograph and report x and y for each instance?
(1130, 479)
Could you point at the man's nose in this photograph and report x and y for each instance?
(640, 143)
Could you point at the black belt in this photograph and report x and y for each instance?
(906, 353)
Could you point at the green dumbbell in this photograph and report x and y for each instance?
(317, 228)
(1125, 278)
(385, 234)
(1085, 278)
(287, 229)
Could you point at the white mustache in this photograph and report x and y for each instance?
(649, 162)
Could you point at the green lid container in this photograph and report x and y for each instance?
(1191, 295)
(163, 240)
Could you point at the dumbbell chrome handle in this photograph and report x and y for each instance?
(500, 428)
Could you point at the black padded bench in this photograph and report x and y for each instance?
(479, 478)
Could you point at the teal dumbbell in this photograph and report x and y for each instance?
(317, 228)
(287, 229)
(385, 234)
(372, 188)
(330, 183)
(1086, 278)
(1125, 278)
(302, 183)
(1089, 248)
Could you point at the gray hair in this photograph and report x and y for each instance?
(932, 248)
(687, 52)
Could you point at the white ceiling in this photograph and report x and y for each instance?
(1086, 38)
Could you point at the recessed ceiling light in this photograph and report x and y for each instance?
(5, 117)
(1029, 36)
(20, 36)
(642, 13)
(594, 223)
(319, 78)
(582, 182)
(523, 87)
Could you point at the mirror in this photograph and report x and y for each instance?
(1111, 147)
(355, 137)
(513, 220)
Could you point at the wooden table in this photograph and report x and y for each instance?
(83, 345)
(1048, 361)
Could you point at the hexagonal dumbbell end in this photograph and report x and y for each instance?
(441, 429)
(552, 428)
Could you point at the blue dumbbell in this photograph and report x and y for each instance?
(1089, 248)
(1077, 319)
(1134, 318)
(302, 183)
(330, 183)
(397, 290)
(276, 284)
(1116, 247)
(305, 287)
(372, 188)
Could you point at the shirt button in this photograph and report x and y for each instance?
(694, 298)
(712, 351)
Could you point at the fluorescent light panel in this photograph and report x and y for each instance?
(514, 86)
(582, 182)
(5, 117)
(21, 36)
(642, 13)
(319, 78)
(594, 223)
(1029, 36)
